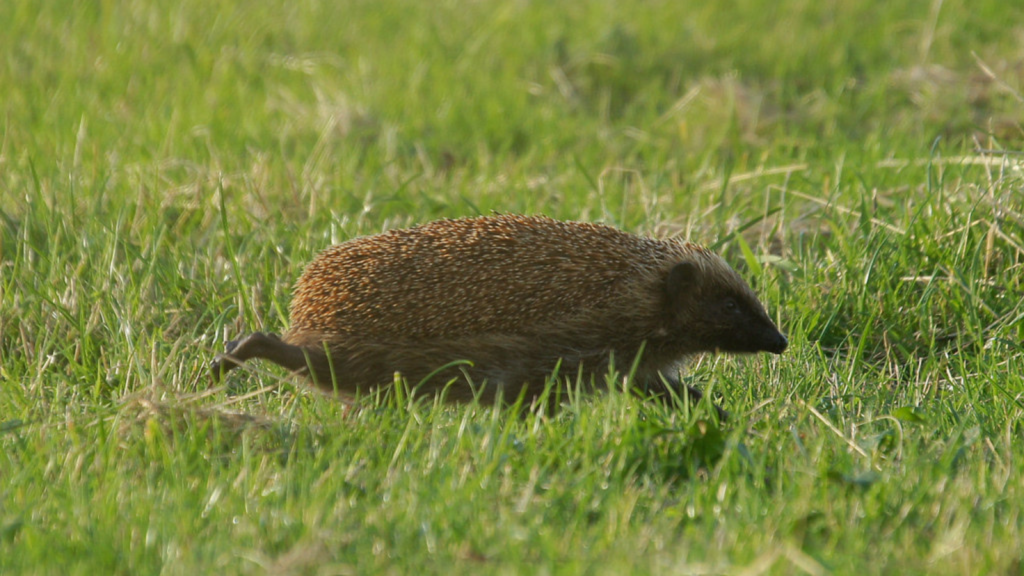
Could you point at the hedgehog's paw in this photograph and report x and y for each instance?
(224, 363)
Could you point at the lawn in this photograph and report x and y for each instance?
(168, 169)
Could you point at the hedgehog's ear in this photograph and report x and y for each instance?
(684, 277)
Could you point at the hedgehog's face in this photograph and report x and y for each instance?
(717, 311)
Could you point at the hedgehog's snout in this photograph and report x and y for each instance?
(772, 340)
(780, 344)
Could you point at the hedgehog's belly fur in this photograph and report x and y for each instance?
(492, 363)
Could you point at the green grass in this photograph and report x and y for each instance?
(167, 169)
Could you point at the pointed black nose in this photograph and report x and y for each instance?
(780, 344)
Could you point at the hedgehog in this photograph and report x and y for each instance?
(498, 306)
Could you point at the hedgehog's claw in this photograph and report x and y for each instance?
(222, 364)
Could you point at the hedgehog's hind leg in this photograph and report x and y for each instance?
(269, 347)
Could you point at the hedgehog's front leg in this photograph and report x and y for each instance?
(269, 347)
(696, 395)
(660, 389)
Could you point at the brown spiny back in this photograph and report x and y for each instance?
(506, 274)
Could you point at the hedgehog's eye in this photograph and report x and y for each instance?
(731, 306)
